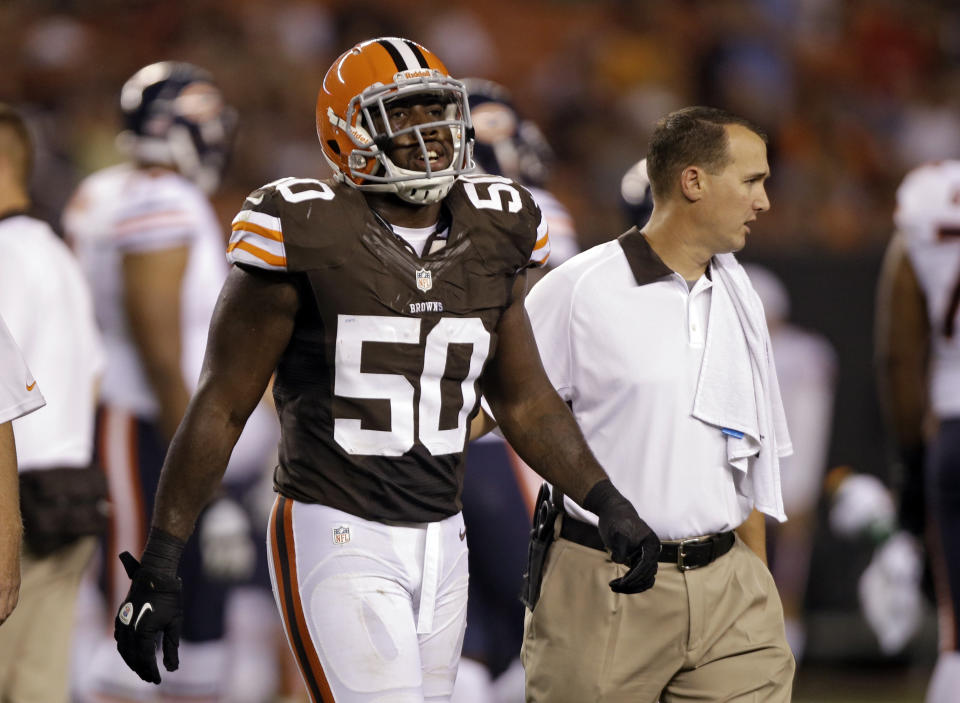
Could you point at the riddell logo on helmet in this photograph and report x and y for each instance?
(413, 75)
(360, 136)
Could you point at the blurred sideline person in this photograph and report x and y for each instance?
(806, 370)
(386, 299)
(46, 304)
(152, 249)
(499, 488)
(19, 396)
(918, 361)
(688, 418)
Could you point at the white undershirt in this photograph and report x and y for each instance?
(415, 236)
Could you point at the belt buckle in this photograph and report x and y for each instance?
(681, 554)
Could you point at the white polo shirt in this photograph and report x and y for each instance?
(46, 302)
(19, 393)
(621, 337)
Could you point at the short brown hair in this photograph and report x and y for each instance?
(15, 142)
(690, 136)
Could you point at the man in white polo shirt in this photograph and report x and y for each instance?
(657, 342)
(45, 301)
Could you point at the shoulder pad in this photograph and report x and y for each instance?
(505, 209)
(271, 217)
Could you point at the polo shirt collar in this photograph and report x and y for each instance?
(646, 266)
(644, 262)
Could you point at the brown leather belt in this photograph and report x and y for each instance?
(687, 554)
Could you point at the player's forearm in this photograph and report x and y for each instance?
(194, 465)
(174, 400)
(546, 436)
(903, 399)
(902, 342)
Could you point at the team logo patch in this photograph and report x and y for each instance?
(424, 280)
(126, 613)
(341, 534)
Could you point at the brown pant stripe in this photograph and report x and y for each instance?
(285, 565)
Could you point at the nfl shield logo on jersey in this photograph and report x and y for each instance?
(424, 280)
(341, 534)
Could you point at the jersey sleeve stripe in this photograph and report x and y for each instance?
(541, 250)
(243, 251)
(247, 226)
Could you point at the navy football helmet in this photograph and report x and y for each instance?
(175, 116)
(505, 143)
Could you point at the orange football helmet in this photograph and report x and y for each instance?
(358, 86)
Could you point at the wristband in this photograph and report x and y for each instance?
(162, 553)
(602, 495)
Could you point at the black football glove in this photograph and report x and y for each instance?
(152, 607)
(628, 538)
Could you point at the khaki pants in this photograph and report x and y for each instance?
(35, 640)
(710, 634)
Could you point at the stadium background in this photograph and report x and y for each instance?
(853, 93)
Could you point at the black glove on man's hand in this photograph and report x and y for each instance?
(152, 607)
(629, 539)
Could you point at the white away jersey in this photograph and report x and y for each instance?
(928, 216)
(46, 303)
(19, 394)
(122, 209)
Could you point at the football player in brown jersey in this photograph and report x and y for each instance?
(383, 301)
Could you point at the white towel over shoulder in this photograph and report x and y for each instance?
(738, 388)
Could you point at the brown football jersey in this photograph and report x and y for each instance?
(377, 387)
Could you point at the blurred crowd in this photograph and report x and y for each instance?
(852, 92)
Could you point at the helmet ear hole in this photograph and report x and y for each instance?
(334, 147)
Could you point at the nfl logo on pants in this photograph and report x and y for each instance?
(341, 534)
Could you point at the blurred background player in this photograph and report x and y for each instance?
(499, 488)
(46, 304)
(806, 368)
(152, 249)
(918, 358)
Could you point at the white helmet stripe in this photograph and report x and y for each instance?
(402, 54)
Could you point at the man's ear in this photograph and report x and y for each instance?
(692, 183)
